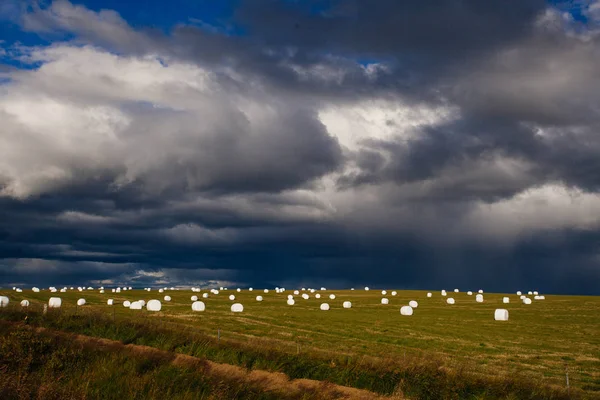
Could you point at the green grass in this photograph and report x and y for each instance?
(356, 346)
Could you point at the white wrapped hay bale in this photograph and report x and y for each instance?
(142, 302)
(136, 305)
(290, 302)
(198, 306)
(194, 298)
(407, 310)
(259, 298)
(110, 302)
(535, 293)
(366, 288)
(324, 307)
(394, 293)
(290, 296)
(250, 289)
(4, 301)
(542, 297)
(347, 304)
(522, 297)
(238, 290)
(530, 293)
(480, 291)
(153, 305)
(456, 290)
(444, 293)
(127, 303)
(505, 300)
(24, 303)
(385, 301)
(161, 290)
(266, 290)
(54, 302)
(231, 297)
(519, 293)
(469, 293)
(237, 307)
(101, 291)
(205, 295)
(450, 300)
(383, 292)
(429, 294)
(317, 296)
(526, 300)
(296, 292)
(501, 314)
(413, 304)
(35, 290)
(479, 298)
(332, 296)
(167, 298)
(305, 296)
(81, 302)
(536, 297)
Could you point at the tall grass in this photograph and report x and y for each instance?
(416, 378)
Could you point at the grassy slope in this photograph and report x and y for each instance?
(536, 341)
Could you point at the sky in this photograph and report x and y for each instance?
(405, 144)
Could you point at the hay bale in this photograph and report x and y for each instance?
(296, 292)
(480, 291)
(54, 302)
(347, 304)
(153, 305)
(501, 314)
(394, 293)
(266, 290)
(413, 304)
(406, 310)
(126, 303)
(522, 297)
(167, 298)
(110, 302)
(35, 290)
(456, 290)
(444, 293)
(450, 300)
(4, 301)
(161, 290)
(198, 306)
(526, 300)
(429, 294)
(290, 302)
(24, 303)
(383, 292)
(136, 305)
(385, 301)
(231, 297)
(250, 289)
(205, 295)
(479, 298)
(519, 293)
(317, 296)
(305, 296)
(505, 300)
(239, 290)
(367, 288)
(237, 307)
(469, 293)
(530, 293)
(81, 302)
(332, 296)
(259, 298)
(324, 307)
(194, 298)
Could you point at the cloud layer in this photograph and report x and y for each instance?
(403, 145)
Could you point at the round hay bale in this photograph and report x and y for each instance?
(35, 290)
(205, 295)
(406, 310)
(522, 297)
(519, 293)
(24, 303)
(385, 301)
(526, 300)
(530, 293)
(367, 288)
(126, 303)
(469, 293)
(444, 293)
(332, 296)
(194, 298)
(110, 302)
(4, 301)
(290, 302)
(239, 290)
(479, 298)
(535, 292)
(394, 293)
(154, 305)
(259, 298)
(505, 300)
(54, 302)
(136, 305)
(231, 297)
(456, 291)
(237, 307)
(450, 300)
(290, 296)
(81, 302)
(296, 292)
(413, 304)
(266, 290)
(167, 298)
(317, 296)
(383, 292)
(480, 291)
(305, 296)
(250, 289)
(347, 304)
(501, 314)
(429, 294)
(198, 306)
(324, 307)
(161, 290)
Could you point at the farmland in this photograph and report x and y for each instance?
(369, 346)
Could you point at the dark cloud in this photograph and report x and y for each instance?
(465, 155)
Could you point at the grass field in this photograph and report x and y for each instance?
(537, 346)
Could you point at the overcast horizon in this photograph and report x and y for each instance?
(390, 144)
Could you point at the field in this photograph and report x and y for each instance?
(441, 351)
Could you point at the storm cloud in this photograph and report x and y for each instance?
(340, 143)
